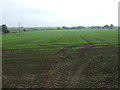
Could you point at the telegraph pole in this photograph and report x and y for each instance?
(19, 27)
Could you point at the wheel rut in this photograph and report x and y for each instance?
(78, 74)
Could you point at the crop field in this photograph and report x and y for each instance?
(60, 59)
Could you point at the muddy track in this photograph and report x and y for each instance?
(87, 45)
(66, 48)
(60, 74)
(84, 52)
(57, 73)
(75, 77)
(73, 46)
(54, 80)
(78, 74)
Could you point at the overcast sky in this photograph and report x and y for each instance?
(59, 12)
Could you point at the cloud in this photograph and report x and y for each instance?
(59, 12)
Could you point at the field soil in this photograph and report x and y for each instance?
(87, 67)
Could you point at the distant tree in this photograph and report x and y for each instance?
(73, 28)
(64, 27)
(92, 27)
(106, 27)
(80, 27)
(58, 28)
(111, 26)
(24, 30)
(4, 29)
(97, 27)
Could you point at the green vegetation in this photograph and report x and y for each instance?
(61, 59)
(59, 39)
(4, 29)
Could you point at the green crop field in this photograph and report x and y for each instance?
(59, 39)
(60, 59)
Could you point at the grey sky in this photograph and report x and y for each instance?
(59, 12)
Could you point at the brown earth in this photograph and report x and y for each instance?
(65, 68)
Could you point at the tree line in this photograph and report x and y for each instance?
(111, 26)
